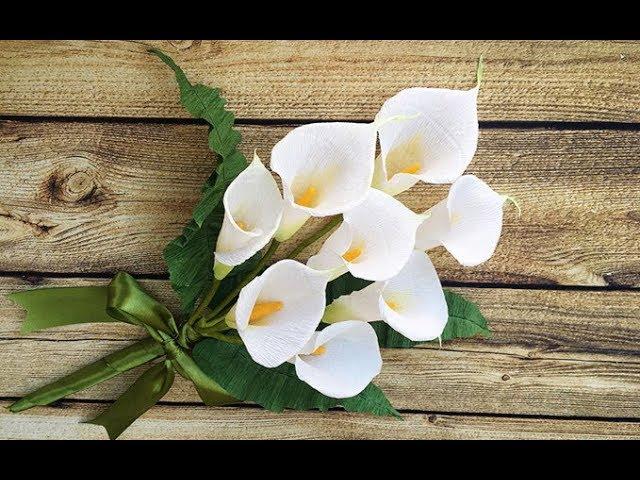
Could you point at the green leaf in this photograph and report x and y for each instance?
(344, 285)
(190, 256)
(276, 388)
(465, 319)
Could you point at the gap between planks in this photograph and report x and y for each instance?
(182, 421)
(293, 122)
(523, 80)
(93, 198)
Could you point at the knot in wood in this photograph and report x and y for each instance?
(78, 185)
(72, 185)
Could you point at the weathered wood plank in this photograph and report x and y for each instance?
(415, 379)
(524, 80)
(202, 423)
(541, 324)
(98, 197)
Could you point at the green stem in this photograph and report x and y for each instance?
(253, 274)
(315, 236)
(205, 302)
(210, 320)
(107, 367)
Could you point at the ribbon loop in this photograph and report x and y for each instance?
(122, 300)
(128, 302)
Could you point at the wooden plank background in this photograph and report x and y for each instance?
(100, 166)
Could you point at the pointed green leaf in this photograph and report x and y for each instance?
(276, 388)
(465, 319)
(190, 256)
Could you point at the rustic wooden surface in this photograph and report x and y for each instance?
(85, 191)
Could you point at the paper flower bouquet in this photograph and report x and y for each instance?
(288, 334)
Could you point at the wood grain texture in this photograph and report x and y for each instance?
(447, 380)
(202, 423)
(99, 197)
(412, 379)
(524, 80)
(528, 324)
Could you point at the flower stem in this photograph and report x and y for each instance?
(315, 236)
(205, 302)
(253, 274)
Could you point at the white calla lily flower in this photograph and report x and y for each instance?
(253, 209)
(277, 312)
(326, 169)
(412, 302)
(433, 139)
(467, 223)
(373, 242)
(341, 360)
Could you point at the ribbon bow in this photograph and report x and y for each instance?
(123, 300)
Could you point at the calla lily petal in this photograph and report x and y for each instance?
(252, 213)
(381, 234)
(413, 302)
(434, 140)
(277, 312)
(326, 169)
(344, 359)
(329, 257)
(468, 222)
(359, 305)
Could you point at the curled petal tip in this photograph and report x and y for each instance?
(380, 122)
(515, 202)
(480, 70)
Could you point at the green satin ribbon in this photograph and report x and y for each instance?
(146, 391)
(103, 369)
(125, 301)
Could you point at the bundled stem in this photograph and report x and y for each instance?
(151, 348)
(204, 302)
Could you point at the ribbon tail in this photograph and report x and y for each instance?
(56, 307)
(107, 367)
(145, 392)
(210, 392)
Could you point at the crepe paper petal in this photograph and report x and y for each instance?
(358, 305)
(374, 241)
(435, 146)
(413, 302)
(277, 312)
(467, 223)
(344, 360)
(292, 219)
(326, 169)
(329, 257)
(252, 213)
